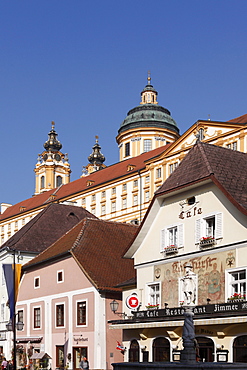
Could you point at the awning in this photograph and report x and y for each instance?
(39, 356)
(29, 339)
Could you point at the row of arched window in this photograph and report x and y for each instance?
(161, 350)
(59, 181)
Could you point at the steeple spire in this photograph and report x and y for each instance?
(52, 168)
(52, 143)
(96, 158)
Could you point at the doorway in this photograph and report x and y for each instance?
(206, 349)
(78, 354)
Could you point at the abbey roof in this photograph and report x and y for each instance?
(116, 171)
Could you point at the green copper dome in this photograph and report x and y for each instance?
(149, 113)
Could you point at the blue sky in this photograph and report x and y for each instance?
(84, 63)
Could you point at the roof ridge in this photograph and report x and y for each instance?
(56, 241)
(79, 236)
(202, 151)
(28, 226)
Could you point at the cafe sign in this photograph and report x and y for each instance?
(218, 309)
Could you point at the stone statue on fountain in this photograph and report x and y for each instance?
(189, 293)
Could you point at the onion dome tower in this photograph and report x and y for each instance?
(96, 158)
(147, 126)
(52, 168)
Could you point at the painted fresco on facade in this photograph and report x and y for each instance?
(210, 271)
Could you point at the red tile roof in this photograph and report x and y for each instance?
(240, 119)
(45, 228)
(106, 175)
(225, 167)
(97, 246)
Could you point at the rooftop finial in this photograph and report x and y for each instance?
(149, 78)
(96, 138)
(52, 125)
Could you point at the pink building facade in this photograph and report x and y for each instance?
(66, 317)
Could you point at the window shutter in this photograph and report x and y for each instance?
(180, 235)
(218, 225)
(198, 231)
(163, 239)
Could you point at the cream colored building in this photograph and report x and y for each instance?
(150, 148)
(198, 216)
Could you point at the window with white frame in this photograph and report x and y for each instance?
(103, 194)
(93, 198)
(237, 283)
(20, 316)
(172, 236)
(124, 187)
(103, 209)
(135, 183)
(81, 313)
(158, 173)
(124, 203)
(59, 315)
(36, 282)
(232, 146)
(113, 206)
(153, 297)
(113, 191)
(135, 200)
(147, 145)
(37, 317)
(172, 167)
(60, 276)
(147, 196)
(209, 226)
(147, 179)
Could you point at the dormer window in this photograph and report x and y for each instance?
(130, 167)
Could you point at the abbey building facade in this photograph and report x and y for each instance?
(150, 148)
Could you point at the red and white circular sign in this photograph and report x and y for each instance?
(132, 301)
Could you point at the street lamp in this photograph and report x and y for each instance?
(114, 307)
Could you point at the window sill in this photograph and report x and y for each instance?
(207, 243)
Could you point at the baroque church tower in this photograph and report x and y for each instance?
(146, 127)
(52, 168)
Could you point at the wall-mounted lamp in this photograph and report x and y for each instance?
(143, 336)
(114, 307)
(166, 305)
(143, 348)
(208, 300)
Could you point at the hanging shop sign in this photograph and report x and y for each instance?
(132, 302)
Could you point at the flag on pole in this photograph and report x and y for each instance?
(9, 278)
(120, 346)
